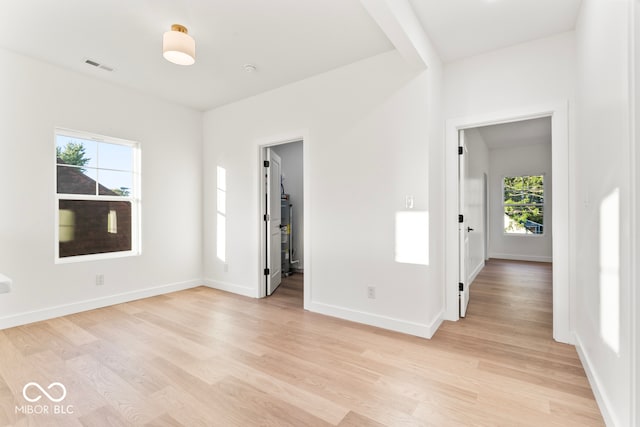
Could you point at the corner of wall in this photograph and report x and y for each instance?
(423, 330)
(231, 287)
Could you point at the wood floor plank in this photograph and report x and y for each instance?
(310, 402)
(164, 420)
(117, 393)
(64, 328)
(126, 365)
(188, 411)
(81, 393)
(103, 417)
(258, 405)
(209, 358)
(353, 419)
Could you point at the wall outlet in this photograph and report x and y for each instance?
(99, 279)
(226, 267)
(371, 292)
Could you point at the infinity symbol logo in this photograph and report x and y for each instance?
(44, 392)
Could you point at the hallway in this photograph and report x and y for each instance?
(508, 329)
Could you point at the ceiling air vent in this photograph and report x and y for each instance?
(99, 65)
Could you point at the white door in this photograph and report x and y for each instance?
(463, 231)
(274, 238)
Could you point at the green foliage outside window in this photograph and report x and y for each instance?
(73, 154)
(524, 204)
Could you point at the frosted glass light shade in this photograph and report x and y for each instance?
(178, 46)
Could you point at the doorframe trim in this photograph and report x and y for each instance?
(560, 148)
(263, 144)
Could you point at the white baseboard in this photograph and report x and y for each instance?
(517, 257)
(92, 304)
(475, 273)
(384, 322)
(231, 287)
(601, 399)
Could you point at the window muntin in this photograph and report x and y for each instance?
(523, 204)
(97, 196)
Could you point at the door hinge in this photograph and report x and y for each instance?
(265, 217)
(266, 271)
(461, 286)
(266, 163)
(460, 150)
(460, 219)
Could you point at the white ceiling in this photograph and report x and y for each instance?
(461, 28)
(287, 40)
(517, 134)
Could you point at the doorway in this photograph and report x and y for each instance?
(283, 213)
(515, 158)
(560, 216)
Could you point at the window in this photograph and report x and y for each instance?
(97, 196)
(523, 202)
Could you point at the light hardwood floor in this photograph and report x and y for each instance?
(207, 358)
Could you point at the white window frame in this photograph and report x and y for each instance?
(543, 204)
(134, 198)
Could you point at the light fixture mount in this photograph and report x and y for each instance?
(178, 46)
(179, 28)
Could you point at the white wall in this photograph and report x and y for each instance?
(517, 161)
(478, 166)
(604, 166)
(636, 170)
(527, 74)
(292, 171)
(37, 97)
(368, 141)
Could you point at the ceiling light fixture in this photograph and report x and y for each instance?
(178, 46)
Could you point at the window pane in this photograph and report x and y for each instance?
(115, 156)
(113, 183)
(75, 180)
(523, 190)
(87, 227)
(523, 219)
(74, 151)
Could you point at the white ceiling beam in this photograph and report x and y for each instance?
(400, 24)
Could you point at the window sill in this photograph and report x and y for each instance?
(96, 257)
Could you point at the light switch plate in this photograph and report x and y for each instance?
(408, 202)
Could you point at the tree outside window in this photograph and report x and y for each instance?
(523, 202)
(97, 196)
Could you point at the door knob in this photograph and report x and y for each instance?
(469, 229)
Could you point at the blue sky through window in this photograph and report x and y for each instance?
(111, 163)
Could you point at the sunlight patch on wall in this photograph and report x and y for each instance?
(610, 270)
(221, 206)
(412, 237)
